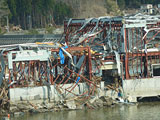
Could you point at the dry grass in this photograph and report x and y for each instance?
(93, 11)
(92, 8)
(88, 8)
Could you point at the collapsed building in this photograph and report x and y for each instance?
(129, 48)
(94, 56)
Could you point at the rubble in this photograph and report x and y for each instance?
(65, 105)
(71, 104)
(107, 101)
(5, 118)
(17, 114)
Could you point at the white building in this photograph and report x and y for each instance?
(147, 8)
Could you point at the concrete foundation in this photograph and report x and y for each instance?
(141, 88)
(132, 89)
(43, 93)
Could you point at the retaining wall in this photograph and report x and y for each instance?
(44, 92)
(147, 87)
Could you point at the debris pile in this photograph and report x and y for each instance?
(4, 100)
(73, 104)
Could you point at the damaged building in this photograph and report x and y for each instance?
(130, 52)
(95, 56)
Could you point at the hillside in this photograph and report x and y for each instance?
(92, 8)
(43, 13)
(87, 8)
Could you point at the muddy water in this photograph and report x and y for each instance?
(142, 111)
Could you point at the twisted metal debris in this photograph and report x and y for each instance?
(93, 46)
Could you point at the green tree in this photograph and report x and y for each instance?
(121, 4)
(61, 12)
(12, 7)
(38, 13)
(112, 7)
(3, 8)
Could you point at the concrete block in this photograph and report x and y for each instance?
(141, 87)
(102, 85)
(71, 104)
(5, 118)
(37, 97)
(41, 92)
(17, 114)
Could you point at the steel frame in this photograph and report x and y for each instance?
(130, 34)
(49, 70)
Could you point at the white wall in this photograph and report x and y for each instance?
(41, 93)
(142, 87)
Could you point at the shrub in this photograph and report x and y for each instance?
(49, 30)
(32, 32)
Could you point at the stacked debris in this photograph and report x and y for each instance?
(4, 100)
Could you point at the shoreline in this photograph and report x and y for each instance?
(27, 107)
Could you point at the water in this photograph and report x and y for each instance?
(142, 111)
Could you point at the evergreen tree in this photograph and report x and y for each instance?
(40, 13)
(3, 8)
(4, 12)
(12, 7)
(121, 4)
(112, 7)
(61, 12)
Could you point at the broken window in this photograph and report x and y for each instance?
(156, 69)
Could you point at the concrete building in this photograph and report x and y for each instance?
(147, 8)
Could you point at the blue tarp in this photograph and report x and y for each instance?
(78, 80)
(119, 94)
(62, 58)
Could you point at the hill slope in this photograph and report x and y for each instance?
(92, 8)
